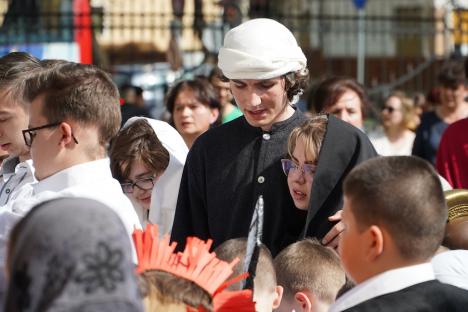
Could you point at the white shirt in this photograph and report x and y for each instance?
(384, 283)
(91, 180)
(14, 174)
(384, 147)
(451, 267)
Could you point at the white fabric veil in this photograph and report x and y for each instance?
(166, 189)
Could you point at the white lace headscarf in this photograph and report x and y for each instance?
(260, 49)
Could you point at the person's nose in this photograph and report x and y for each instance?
(255, 99)
(186, 111)
(298, 176)
(344, 116)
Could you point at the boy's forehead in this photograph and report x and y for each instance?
(7, 102)
(256, 81)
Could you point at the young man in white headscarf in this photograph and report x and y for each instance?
(230, 166)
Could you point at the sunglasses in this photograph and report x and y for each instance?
(290, 167)
(144, 184)
(389, 109)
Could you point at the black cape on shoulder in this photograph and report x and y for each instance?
(343, 147)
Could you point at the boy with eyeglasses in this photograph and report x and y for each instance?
(74, 113)
(147, 158)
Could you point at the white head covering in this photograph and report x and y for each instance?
(260, 49)
(166, 189)
(451, 267)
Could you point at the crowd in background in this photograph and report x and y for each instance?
(104, 208)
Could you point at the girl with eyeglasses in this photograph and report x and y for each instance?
(398, 122)
(147, 157)
(321, 152)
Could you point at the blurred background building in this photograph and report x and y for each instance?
(386, 44)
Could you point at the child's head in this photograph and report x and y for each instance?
(194, 107)
(138, 159)
(192, 280)
(310, 274)
(74, 113)
(266, 293)
(394, 214)
(303, 150)
(14, 110)
(164, 291)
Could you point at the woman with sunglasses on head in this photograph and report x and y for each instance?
(321, 152)
(398, 121)
(147, 157)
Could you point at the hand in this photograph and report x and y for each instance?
(331, 239)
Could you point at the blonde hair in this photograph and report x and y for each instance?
(160, 288)
(307, 265)
(407, 109)
(311, 133)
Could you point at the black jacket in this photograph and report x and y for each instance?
(424, 297)
(226, 170)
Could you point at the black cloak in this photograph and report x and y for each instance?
(227, 168)
(344, 146)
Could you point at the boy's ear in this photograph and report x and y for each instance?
(304, 301)
(67, 134)
(214, 115)
(278, 296)
(375, 242)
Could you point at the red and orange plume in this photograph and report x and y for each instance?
(196, 263)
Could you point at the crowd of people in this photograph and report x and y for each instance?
(240, 201)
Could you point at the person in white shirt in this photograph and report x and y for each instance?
(17, 170)
(398, 121)
(74, 113)
(394, 216)
(148, 157)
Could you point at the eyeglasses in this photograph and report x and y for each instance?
(290, 166)
(389, 109)
(145, 184)
(30, 134)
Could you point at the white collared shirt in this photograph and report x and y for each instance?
(384, 283)
(14, 175)
(91, 180)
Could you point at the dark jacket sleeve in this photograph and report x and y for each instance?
(418, 145)
(191, 211)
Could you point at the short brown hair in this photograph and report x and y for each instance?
(326, 93)
(166, 288)
(265, 278)
(202, 89)
(311, 133)
(137, 141)
(14, 69)
(83, 93)
(452, 74)
(307, 265)
(403, 194)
